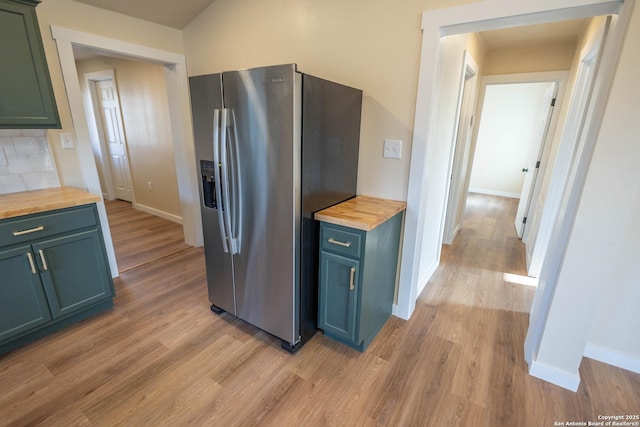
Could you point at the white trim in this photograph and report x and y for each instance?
(424, 279)
(564, 379)
(460, 148)
(180, 118)
(541, 77)
(94, 124)
(572, 191)
(612, 357)
(488, 14)
(494, 192)
(116, 46)
(567, 146)
(157, 212)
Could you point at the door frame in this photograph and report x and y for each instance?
(177, 80)
(97, 132)
(425, 180)
(461, 148)
(560, 78)
(425, 191)
(569, 140)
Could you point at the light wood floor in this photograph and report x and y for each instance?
(160, 357)
(140, 237)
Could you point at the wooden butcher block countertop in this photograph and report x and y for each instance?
(361, 212)
(29, 202)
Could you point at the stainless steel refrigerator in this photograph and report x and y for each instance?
(273, 146)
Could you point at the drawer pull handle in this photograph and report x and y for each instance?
(31, 263)
(339, 243)
(31, 230)
(353, 273)
(44, 261)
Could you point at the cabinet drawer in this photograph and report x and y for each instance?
(341, 240)
(24, 229)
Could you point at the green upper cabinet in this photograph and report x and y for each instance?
(26, 94)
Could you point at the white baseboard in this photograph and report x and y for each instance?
(153, 211)
(564, 379)
(612, 357)
(494, 192)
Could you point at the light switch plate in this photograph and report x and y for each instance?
(66, 139)
(392, 148)
(3, 157)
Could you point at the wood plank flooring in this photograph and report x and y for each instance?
(161, 358)
(141, 238)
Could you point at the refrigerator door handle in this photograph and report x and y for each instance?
(225, 181)
(237, 187)
(222, 205)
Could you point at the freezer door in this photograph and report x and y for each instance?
(265, 106)
(206, 98)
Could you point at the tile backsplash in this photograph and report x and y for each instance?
(26, 162)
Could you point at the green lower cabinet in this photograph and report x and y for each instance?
(339, 281)
(357, 280)
(54, 272)
(23, 305)
(74, 273)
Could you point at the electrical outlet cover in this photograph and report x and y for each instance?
(392, 148)
(66, 139)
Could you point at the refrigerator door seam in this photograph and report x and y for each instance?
(237, 180)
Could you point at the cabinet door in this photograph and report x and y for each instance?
(22, 301)
(74, 271)
(26, 99)
(338, 296)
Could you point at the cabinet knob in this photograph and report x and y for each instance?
(353, 273)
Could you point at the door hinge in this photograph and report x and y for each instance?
(524, 220)
(553, 102)
(538, 165)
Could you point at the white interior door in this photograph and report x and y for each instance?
(115, 138)
(531, 169)
(582, 91)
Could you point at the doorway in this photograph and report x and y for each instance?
(174, 69)
(111, 145)
(428, 174)
(513, 129)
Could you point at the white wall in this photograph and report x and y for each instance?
(508, 137)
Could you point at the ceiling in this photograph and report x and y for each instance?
(172, 13)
